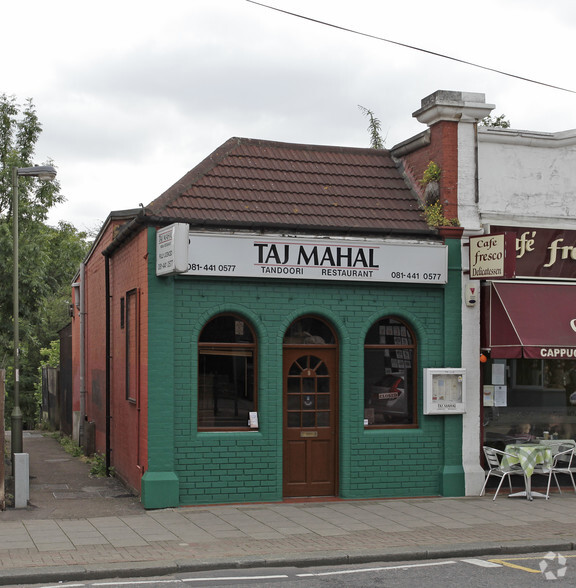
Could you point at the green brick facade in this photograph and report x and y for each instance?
(228, 467)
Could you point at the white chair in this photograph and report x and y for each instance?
(554, 444)
(493, 460)
(562, 464)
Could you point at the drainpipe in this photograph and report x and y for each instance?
(82, 292)
(108, 347)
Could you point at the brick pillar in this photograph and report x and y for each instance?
(443, 112)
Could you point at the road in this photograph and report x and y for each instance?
(526, 570)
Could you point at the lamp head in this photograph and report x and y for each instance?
(42, 172)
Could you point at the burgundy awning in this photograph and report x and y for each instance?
(530, 320)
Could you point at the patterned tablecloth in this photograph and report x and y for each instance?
(528, 456)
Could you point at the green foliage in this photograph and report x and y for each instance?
(374, 128)
(434, 215)
(498, 121)
(97, 462)
(433, 209)
(50, 358)
(68, 444)
(51, 355)
(98, 466)
(431, 174)
(19, 132)
(49, 256)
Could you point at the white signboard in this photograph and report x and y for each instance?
(172, 249)
(444, 390)
(317, 258)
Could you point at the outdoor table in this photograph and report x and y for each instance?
(528, 456)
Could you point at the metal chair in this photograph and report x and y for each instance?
(493, 460)
(562, 464)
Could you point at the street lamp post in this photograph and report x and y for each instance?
(43, 172)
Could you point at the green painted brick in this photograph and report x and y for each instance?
(228, 467)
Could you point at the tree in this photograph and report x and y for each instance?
(374, 128)
(498, 121)
(19, 132)
(49, 256)
(50, 358)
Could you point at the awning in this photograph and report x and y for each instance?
(531, 320)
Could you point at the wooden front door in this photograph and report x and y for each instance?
(310, 421)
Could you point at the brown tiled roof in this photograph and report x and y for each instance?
(264, 184)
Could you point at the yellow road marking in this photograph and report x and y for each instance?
(506, 562)
(517, 567)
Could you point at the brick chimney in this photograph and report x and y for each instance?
(452, 118)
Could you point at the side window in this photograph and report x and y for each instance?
(226, 373)
(132, 344)
(390, 375)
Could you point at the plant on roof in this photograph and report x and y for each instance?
(433, 209)
(374, 128)
(431, 174)
(434, 215)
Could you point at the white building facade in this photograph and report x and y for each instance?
(522, 182)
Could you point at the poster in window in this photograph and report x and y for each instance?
(499, 373)
(500, 396)
(488, 395)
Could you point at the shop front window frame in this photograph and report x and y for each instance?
(227, 375)
(384, 387)
(534, 401)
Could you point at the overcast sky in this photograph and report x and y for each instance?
(133, 94)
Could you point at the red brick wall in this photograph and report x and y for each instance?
(95, 333)
(128, 272)
(443, 150)
(128, 423)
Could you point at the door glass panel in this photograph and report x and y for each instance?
(308, 385)
(293, 385)
(313, 361)
(295, 369)
(306, 407)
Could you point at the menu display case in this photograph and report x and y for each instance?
(444, 390)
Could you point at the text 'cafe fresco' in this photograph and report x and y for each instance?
(528, 333)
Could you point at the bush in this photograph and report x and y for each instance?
(98, 469)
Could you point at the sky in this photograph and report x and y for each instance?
(133, 94)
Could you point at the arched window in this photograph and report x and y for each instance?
(226, 373)
(309, 330)
(390, 374)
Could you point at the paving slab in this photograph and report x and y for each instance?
(79, 528)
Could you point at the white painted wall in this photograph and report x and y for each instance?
(527, 178)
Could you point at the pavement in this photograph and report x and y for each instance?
(81, 528)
